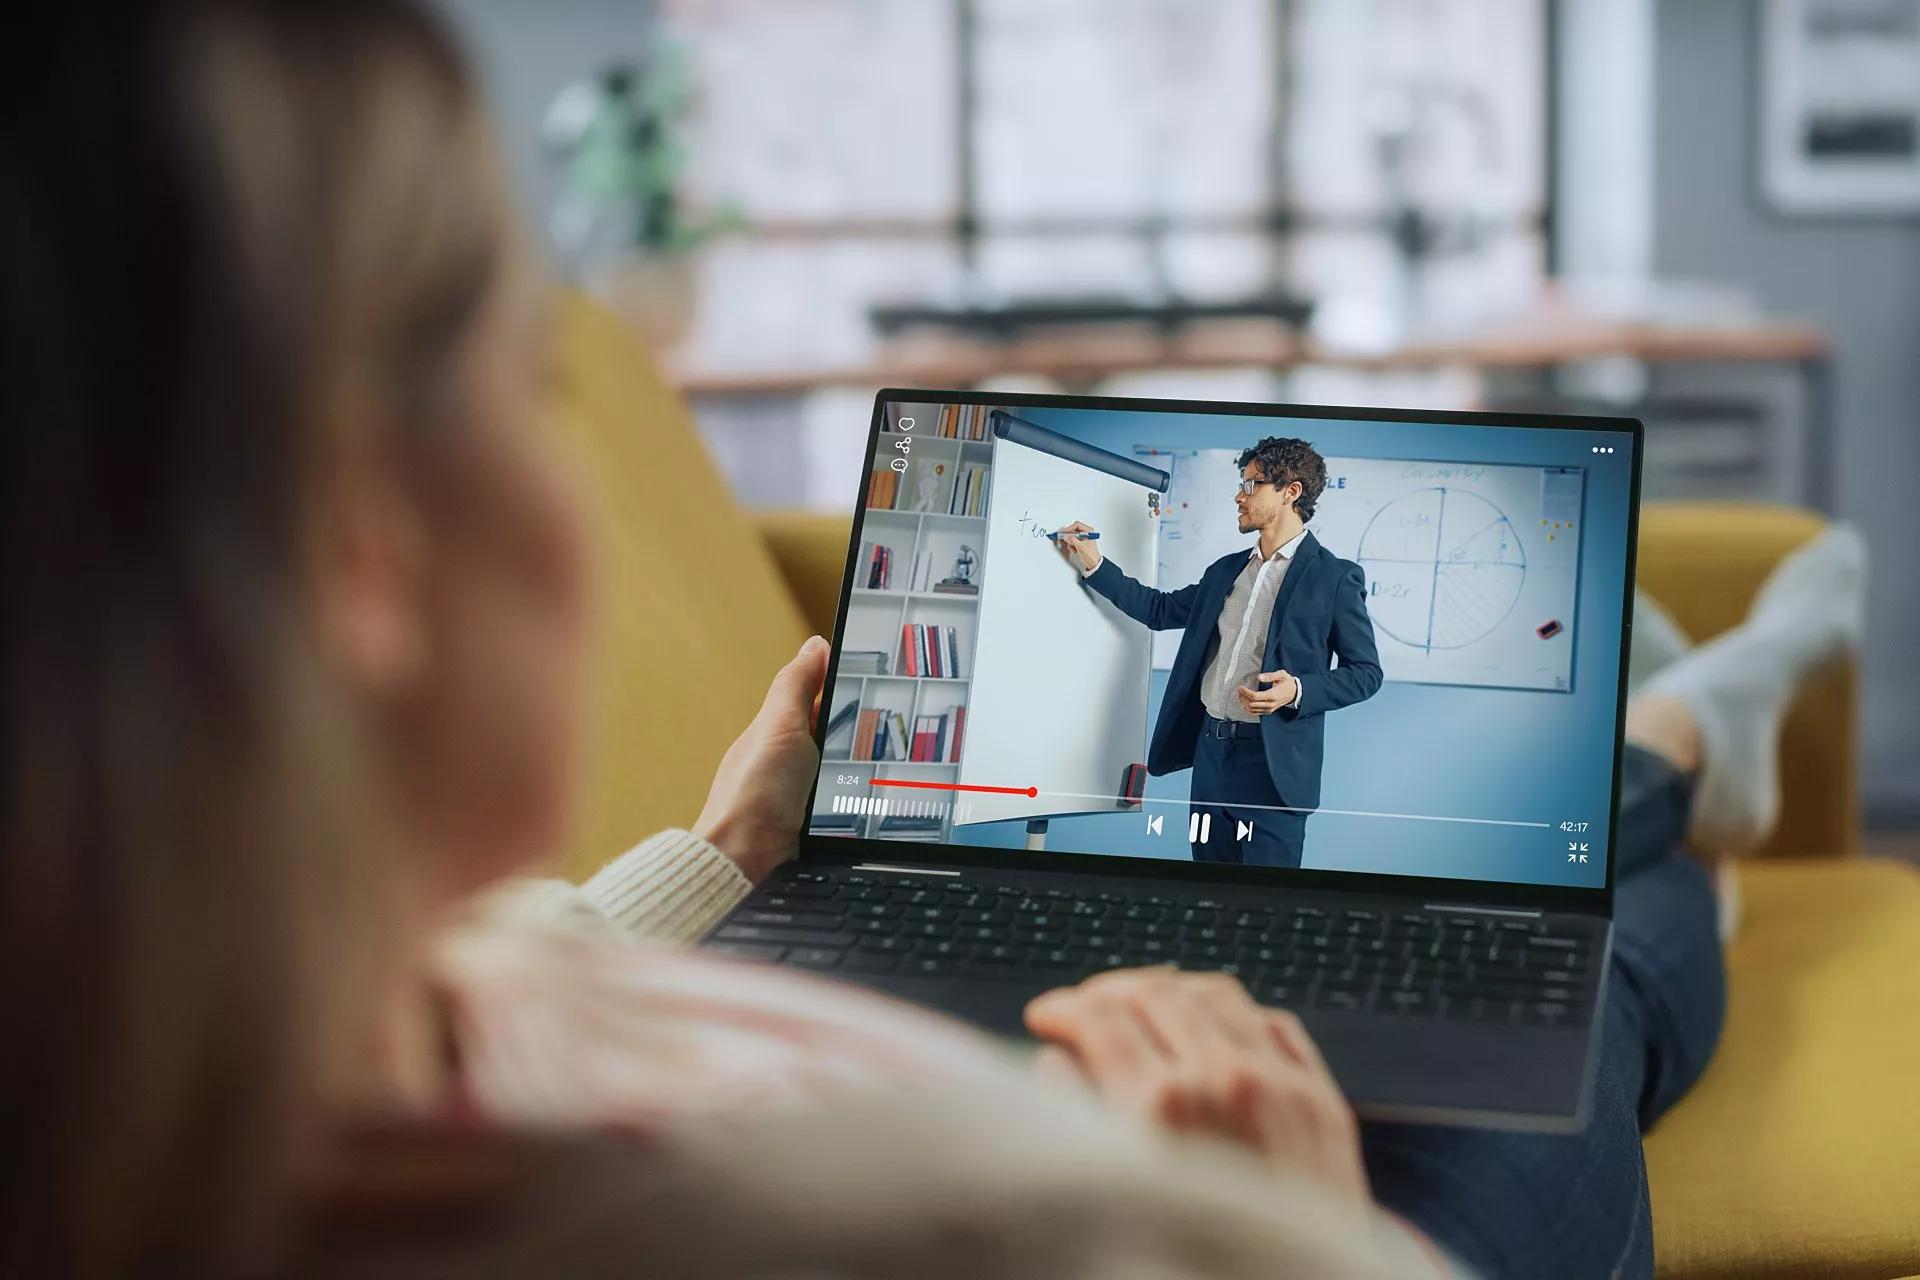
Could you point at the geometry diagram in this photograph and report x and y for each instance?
(1444, 568)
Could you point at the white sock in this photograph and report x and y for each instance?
(1738, 685)
(1726, 888)
(1658, 642)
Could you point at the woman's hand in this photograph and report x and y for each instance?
(759, 792)
(1192, 1052)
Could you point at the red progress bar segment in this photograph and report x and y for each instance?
(955, 786)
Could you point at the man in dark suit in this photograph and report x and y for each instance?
(1255, 674)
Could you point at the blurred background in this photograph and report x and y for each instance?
(1705, 213)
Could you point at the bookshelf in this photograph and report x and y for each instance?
(924, 535)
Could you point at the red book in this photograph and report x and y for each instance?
(909, 654)
(959, 733)
(935, 667)
(922, 740)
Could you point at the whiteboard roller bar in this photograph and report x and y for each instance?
(1034, 436)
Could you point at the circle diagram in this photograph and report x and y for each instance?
(1444, 568)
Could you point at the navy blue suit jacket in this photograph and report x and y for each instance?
(1320, 613)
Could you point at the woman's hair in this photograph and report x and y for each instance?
(230, 232)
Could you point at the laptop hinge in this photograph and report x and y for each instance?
(903, 871)
(1484, 911)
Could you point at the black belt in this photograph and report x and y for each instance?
(1215, 728)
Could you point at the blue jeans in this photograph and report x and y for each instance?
(1576, 1205)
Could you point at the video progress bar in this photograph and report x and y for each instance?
(1032, 792)
(1288, 808)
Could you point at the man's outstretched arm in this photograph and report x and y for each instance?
(1357, 678)
(1156, 610)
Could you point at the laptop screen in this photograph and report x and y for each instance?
(1269, 638)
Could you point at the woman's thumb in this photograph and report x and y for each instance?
(800, 680)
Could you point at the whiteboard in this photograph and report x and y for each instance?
(1464, 561)
(1059, 694)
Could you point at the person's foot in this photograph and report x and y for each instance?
(1727, 901)
(1738, 685)
(1658, 642)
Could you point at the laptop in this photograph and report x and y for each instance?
(1095, 701)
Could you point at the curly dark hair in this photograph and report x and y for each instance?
(1281, 460)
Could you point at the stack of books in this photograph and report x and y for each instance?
(863, 662)
(834, 824)
(901, 827)
(927, 649)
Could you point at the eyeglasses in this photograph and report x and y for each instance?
(1248, 486)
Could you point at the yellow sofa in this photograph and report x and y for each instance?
(1798, 1154)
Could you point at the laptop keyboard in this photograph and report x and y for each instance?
(1315, 955)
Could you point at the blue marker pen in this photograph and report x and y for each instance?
(1083, 537)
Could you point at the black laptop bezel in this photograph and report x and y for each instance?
(821, 848)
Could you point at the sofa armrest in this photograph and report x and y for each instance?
(811, 551)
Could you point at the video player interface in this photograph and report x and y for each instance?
(1277, 642)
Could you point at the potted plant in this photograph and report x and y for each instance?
(619, 225)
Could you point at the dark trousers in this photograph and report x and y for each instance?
(1576, 1205)
(1233, 789)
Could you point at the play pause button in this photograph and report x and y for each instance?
(1199, 828)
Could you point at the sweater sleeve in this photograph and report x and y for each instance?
(671, 887)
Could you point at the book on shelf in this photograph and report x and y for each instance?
(841, 725)
(922, 577)
(880, 733)
(937, 739)
(961, 421)
(876, 560)
(883, 489)
(947, 587)
(929, 649)
(970, 490)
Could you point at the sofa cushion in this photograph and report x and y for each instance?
(695, 617)
(1795, 1154)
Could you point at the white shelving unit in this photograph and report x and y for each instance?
(876, 616)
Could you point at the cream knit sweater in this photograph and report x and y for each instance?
(674, 887)
(671, 887)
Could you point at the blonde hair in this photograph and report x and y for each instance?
(237, 229)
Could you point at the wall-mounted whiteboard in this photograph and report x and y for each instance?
(1059, 695)
(1466, 563)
